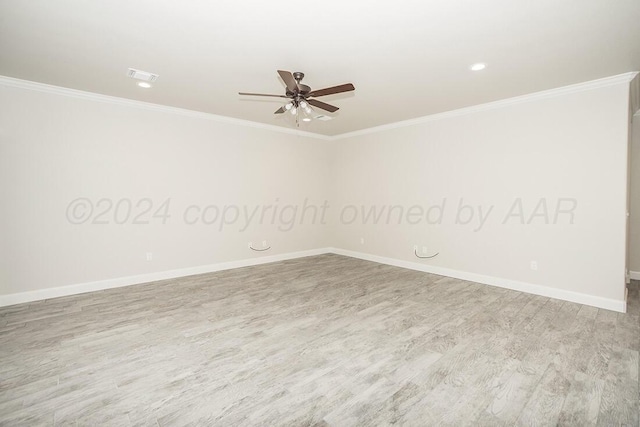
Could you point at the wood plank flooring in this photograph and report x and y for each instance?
(324, 340)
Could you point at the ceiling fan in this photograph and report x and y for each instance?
(301, 95)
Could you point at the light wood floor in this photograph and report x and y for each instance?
(325, 340)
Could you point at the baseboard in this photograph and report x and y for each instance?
(43, 294)
(530, 288)
(634, 275)
(80, 288)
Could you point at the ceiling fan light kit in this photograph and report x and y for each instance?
(301, 97)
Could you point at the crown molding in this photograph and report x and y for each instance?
(91, 96)
(564, 90)
(634, 96)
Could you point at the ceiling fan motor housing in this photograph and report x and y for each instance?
(298, 92)
(303, 89)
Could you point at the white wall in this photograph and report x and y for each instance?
(55, 149)
(568, 147)
(634, 229)
(563, 149)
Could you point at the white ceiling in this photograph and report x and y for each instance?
(406, 58)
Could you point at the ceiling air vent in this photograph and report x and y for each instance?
(142, 75)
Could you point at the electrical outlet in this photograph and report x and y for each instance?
(415, 248)
(149, 256)
(362, 240)
(249, 245)
(264, 243)
(534, 265)
(424, 249)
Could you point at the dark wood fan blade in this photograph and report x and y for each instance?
(288, 79)
(280, 110)
(330, 108)
(331, 90)
(261, 94)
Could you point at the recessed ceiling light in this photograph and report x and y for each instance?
(479, 66)
(306, 119)
(144, 85)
